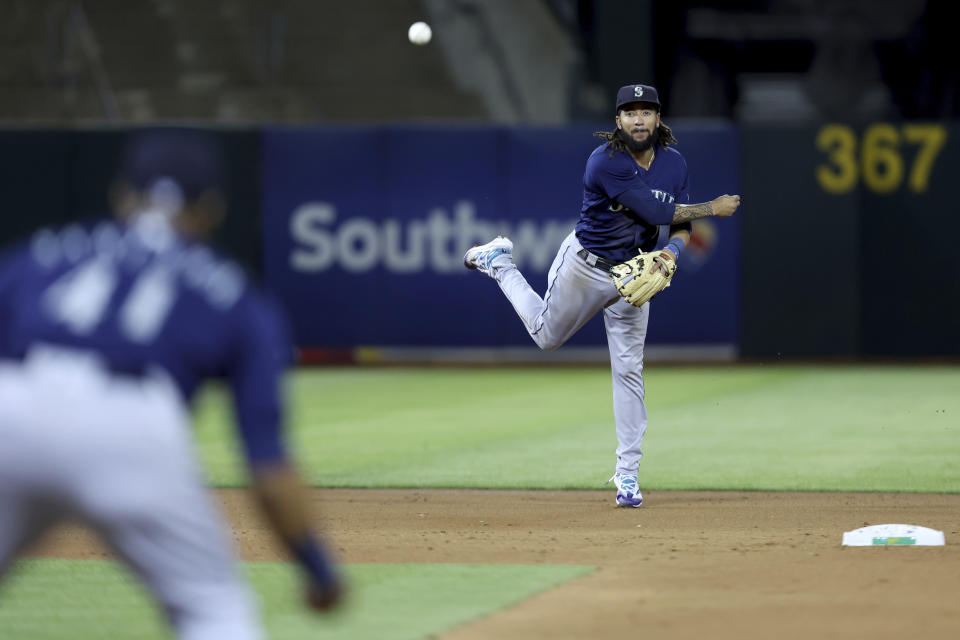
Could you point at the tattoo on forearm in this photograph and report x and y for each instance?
(688, 212)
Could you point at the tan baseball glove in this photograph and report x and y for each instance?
(638, 281)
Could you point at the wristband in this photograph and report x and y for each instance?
(314, 560)
(675, 246)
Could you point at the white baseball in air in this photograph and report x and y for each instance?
(419, 33)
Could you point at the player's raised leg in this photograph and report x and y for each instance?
(626, 328)
(575, 291)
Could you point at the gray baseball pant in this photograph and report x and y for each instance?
(575, 292)
(116, 454)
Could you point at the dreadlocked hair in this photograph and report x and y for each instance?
(615, 143)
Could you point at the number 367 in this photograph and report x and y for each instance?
(880, 162)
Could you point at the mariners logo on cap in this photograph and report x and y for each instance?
(637, 93)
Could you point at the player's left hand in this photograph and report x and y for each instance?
(324, 597)
(641, 278)
(665, 263)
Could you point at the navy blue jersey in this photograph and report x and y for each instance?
(609, 228)
(141, 298)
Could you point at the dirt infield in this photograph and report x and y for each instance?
(685, 565)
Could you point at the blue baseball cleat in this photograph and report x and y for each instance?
(628, 491)
(482, 257)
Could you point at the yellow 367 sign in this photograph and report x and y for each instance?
(877, 157)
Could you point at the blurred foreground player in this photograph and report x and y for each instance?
(105, 334)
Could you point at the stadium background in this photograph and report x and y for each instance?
(361, 167)
(834, 119)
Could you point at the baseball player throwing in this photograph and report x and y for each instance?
(633, 183)
(105, 334)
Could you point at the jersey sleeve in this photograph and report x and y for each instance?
(619, 180)
(647, 206)
(262, 355)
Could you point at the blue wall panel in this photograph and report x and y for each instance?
(364, 230)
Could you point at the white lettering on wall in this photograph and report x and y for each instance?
(316, 252)
(435, 243)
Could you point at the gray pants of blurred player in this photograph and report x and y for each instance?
(115, 453)
(575, 292)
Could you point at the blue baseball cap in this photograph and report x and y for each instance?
(190, 157)
(637, 93)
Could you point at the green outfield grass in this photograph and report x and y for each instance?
(879, 428)
(777, 427)
(95, 599)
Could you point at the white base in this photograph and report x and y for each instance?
(891, 535)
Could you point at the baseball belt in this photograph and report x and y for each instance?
(596, 261)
